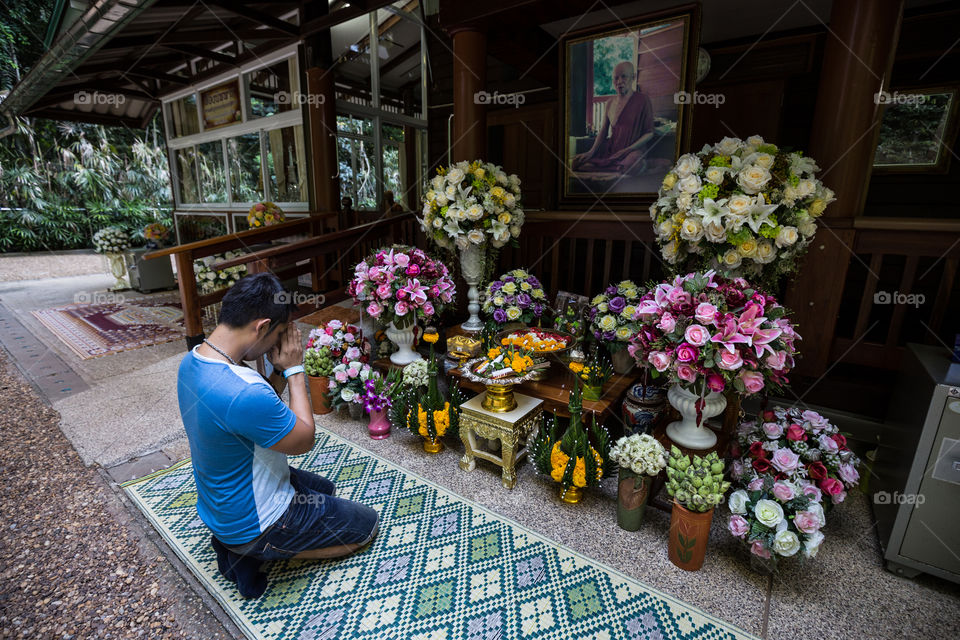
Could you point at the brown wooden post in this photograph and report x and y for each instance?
(187, 280)
(469, 78)
(859, 52)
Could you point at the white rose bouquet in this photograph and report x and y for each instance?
(111, 240)
(745, 208)
(640, 453)
(472, 203)
(209, 280)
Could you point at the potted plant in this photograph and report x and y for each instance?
(744, 207)
(612, 320)
(594, 373)
(515, 299)
(575, 459)
(155, 233)
(708, 334)
(377, 398)
(473, 208)
(318, 363)
(697, 487)
(639, 459)
(399, 286)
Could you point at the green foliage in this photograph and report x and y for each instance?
(62, 182)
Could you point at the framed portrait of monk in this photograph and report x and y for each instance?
(626, 93)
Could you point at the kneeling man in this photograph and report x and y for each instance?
(240, 433)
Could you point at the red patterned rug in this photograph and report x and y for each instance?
(94, 330)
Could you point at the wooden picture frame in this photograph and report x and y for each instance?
(917, 130)
(649, 94)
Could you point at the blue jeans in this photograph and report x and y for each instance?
(315, 519)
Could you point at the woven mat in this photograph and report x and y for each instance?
(99, 329)
(441, 569)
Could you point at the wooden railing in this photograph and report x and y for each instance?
(901, 287)
(584, 253)
(184, 255)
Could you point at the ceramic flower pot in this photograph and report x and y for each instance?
(471, 266)
(632, 492)
(622, 361)
(379, 426)
(687, 543)
(404, 339)
(319, 394)
(691, 432)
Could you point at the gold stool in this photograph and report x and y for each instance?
(511, 428)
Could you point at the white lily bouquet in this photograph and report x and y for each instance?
(472, 203)
(640, 453)
(209, 280)
(111, 240)
(745, 208)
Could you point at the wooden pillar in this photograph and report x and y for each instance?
(469, 135)
(187, 281)
(323, 139)
(859, 52)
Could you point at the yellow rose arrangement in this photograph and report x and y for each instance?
(264, 214)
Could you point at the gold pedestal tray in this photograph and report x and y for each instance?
(511, 428)
(499, 398)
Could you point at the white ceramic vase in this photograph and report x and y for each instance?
(686, 432)
(471, 266)
(403, 338)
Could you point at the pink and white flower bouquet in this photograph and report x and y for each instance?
(799, 447)
(348, 383)
(706, 333)
(400, 285)
(776, 518)
(345, 341)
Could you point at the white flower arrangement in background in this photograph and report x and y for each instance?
(743, 207)
(209, 280)
(111, 240)
(415, 374)
(640, 453)
(472, 203)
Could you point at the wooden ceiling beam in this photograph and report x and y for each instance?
(259, 17)
(199, 52)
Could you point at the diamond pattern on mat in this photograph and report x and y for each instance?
(440, 569)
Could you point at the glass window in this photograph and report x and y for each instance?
(394, 164)
(200, 227)
(243, 156)
(355, 125)
(186, 161)
(286, 164)
(183, 116)
(213, 181)
(358, 178)
(273, 89)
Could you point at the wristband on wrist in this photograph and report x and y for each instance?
(291, 371)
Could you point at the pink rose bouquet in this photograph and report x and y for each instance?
(400, 285)
(706, 332)
(345, 342)
(799, 448)
(776, 519)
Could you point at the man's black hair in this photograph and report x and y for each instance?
(256, 296)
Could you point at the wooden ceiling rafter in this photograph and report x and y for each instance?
(259, 17)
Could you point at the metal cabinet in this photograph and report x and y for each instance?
(917, 492)
(149, 275)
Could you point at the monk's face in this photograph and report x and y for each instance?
(624, 78)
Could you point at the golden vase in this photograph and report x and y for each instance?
(571, 495)
(499, 398)
(432, 446)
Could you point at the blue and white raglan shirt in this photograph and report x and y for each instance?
(232, 417)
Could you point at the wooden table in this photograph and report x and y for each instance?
(555, 392)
